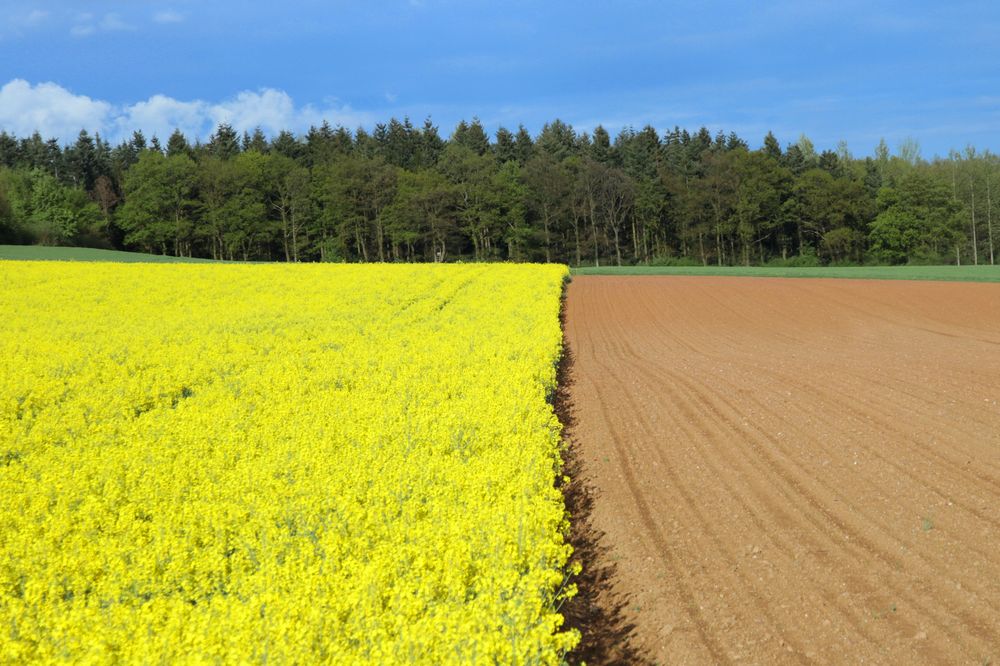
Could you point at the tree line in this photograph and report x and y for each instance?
(405, 193)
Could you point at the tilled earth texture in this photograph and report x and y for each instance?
(788, 470)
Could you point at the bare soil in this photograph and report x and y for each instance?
(785, 470)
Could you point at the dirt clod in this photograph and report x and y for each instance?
(769, 443)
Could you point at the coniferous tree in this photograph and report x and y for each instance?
(471, 136)
(224, 142)
(771, 147)
(286, 144)
(403, 193)
(256, 141)
(524, 145)
(177, 144)
(600, 146)
(81, 162)
(504, 146)
(430, 145)
(9, 154)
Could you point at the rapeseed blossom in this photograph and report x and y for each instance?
(289, 464)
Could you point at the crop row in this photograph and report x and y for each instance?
(290, 464)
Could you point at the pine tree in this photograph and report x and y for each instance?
(472, 136)
(9, 156)
(224, 143)
(257, 142)
(177, 144)
(600, 146)
(524, 145)
(81, 162)
(557, 139)
(286, 144)
(771, 147)
(505, 147)
(431, 145)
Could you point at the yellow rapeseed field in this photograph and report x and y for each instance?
(285, 464)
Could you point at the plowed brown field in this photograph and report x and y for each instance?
(790, 470)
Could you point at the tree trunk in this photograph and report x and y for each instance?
(576, 234)
(380, 238)
(362, 248)
(545, 223)
(975, 241)
(989, 216)
(284, 232)
(177, 235)
(593, 224)
(597, 256)
(635, 242)
(475, 245)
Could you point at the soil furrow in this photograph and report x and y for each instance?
(849, 538)
(793, 470)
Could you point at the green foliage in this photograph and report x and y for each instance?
(895, 234)
(43, 253)
(58, 214)
(806, 258)
(963, 273)
(674, 261)
(842, 245)
(918, 221)
(508, 195)
(10, 231)
(471, 136)
(160, 202)
(402, 193)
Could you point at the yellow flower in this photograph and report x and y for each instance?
(295, 464)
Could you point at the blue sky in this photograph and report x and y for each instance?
(853, 71)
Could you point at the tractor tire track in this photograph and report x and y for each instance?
(776, 470)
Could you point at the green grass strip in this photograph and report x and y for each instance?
(41, 253)
(941, 273)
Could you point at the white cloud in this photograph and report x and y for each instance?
(271, 110)
(35, 17)
(161, 115)
(55, 111)
(112, 22)
(168, 16)
(50, 109)
(13, 23)
(87, 25)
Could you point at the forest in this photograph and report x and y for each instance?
(405, 193)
